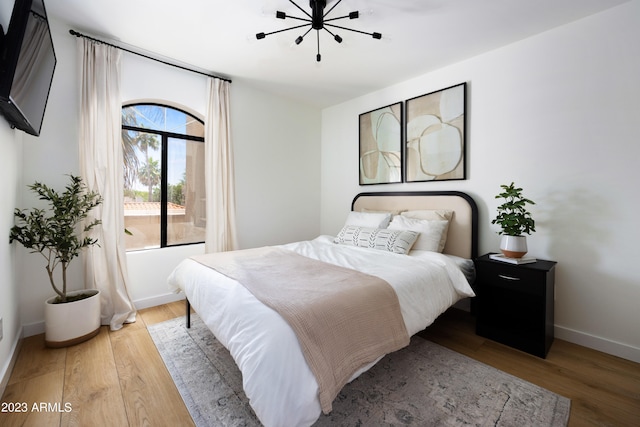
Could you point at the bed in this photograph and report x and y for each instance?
(279, 377)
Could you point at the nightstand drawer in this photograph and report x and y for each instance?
(508, 277)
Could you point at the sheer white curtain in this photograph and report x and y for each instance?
(101, 168)
(219, 175)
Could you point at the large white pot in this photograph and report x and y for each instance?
(72, 322)
(513, 246)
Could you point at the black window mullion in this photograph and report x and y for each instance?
(159, 132)
(163, 191)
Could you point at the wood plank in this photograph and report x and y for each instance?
(91, 384)
(611, 373)
(162, 313)
(34, 359)
(34, 392)
(149, 392)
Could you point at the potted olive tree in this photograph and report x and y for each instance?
(514, 220)
(57, 234)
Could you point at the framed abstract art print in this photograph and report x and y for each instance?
(380, 157)
(435, 135)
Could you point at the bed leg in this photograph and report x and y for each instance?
(188, 305)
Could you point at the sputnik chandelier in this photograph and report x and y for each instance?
(317, 21)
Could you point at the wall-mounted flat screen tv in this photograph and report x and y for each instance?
(27, 63)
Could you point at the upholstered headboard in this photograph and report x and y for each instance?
(462, 237)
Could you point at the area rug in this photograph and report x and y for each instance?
(423, 384)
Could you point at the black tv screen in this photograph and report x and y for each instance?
(27, 64)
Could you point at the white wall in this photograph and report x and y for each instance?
(272, 163)
(277, 149)
(556, 113)
(10, 159)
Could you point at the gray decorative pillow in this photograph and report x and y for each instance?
(396, 241)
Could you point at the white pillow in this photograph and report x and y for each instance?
(393, 213)
(429, 214)
(433, 233)
(369, 219)
(433, 214)
(396, 241)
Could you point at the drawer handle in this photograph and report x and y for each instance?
(502, 276)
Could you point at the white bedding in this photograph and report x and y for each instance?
(276, 379)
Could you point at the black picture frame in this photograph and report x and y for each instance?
(435, 136)
(380, 145)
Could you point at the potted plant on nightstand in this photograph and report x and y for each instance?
(514, 220)
(71, 317)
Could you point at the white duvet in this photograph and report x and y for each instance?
(280, 386)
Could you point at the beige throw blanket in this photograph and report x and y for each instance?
(343, 319)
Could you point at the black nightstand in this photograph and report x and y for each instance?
(515, 303)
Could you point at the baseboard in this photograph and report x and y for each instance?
(613, 348)
(8, 367)
(158, 300)
(38, 327)
(32, 329)
(624, 351)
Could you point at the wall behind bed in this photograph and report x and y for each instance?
(556, 113)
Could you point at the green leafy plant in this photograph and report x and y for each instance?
(55, 232)
(513, 217)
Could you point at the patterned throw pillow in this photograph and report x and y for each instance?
(396, 241)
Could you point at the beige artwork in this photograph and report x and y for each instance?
(380, 145)
(435, 135)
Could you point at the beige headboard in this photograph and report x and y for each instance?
(462, 237)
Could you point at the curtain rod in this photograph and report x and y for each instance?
(77, 34)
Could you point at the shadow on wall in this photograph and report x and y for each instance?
(591, 297)
(573, 219)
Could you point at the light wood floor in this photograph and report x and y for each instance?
(118, 378)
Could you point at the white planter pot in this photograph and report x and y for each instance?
(72, 322)
(514, 246)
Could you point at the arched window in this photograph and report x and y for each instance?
(164, 195)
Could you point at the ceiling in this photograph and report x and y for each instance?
(418, 36)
